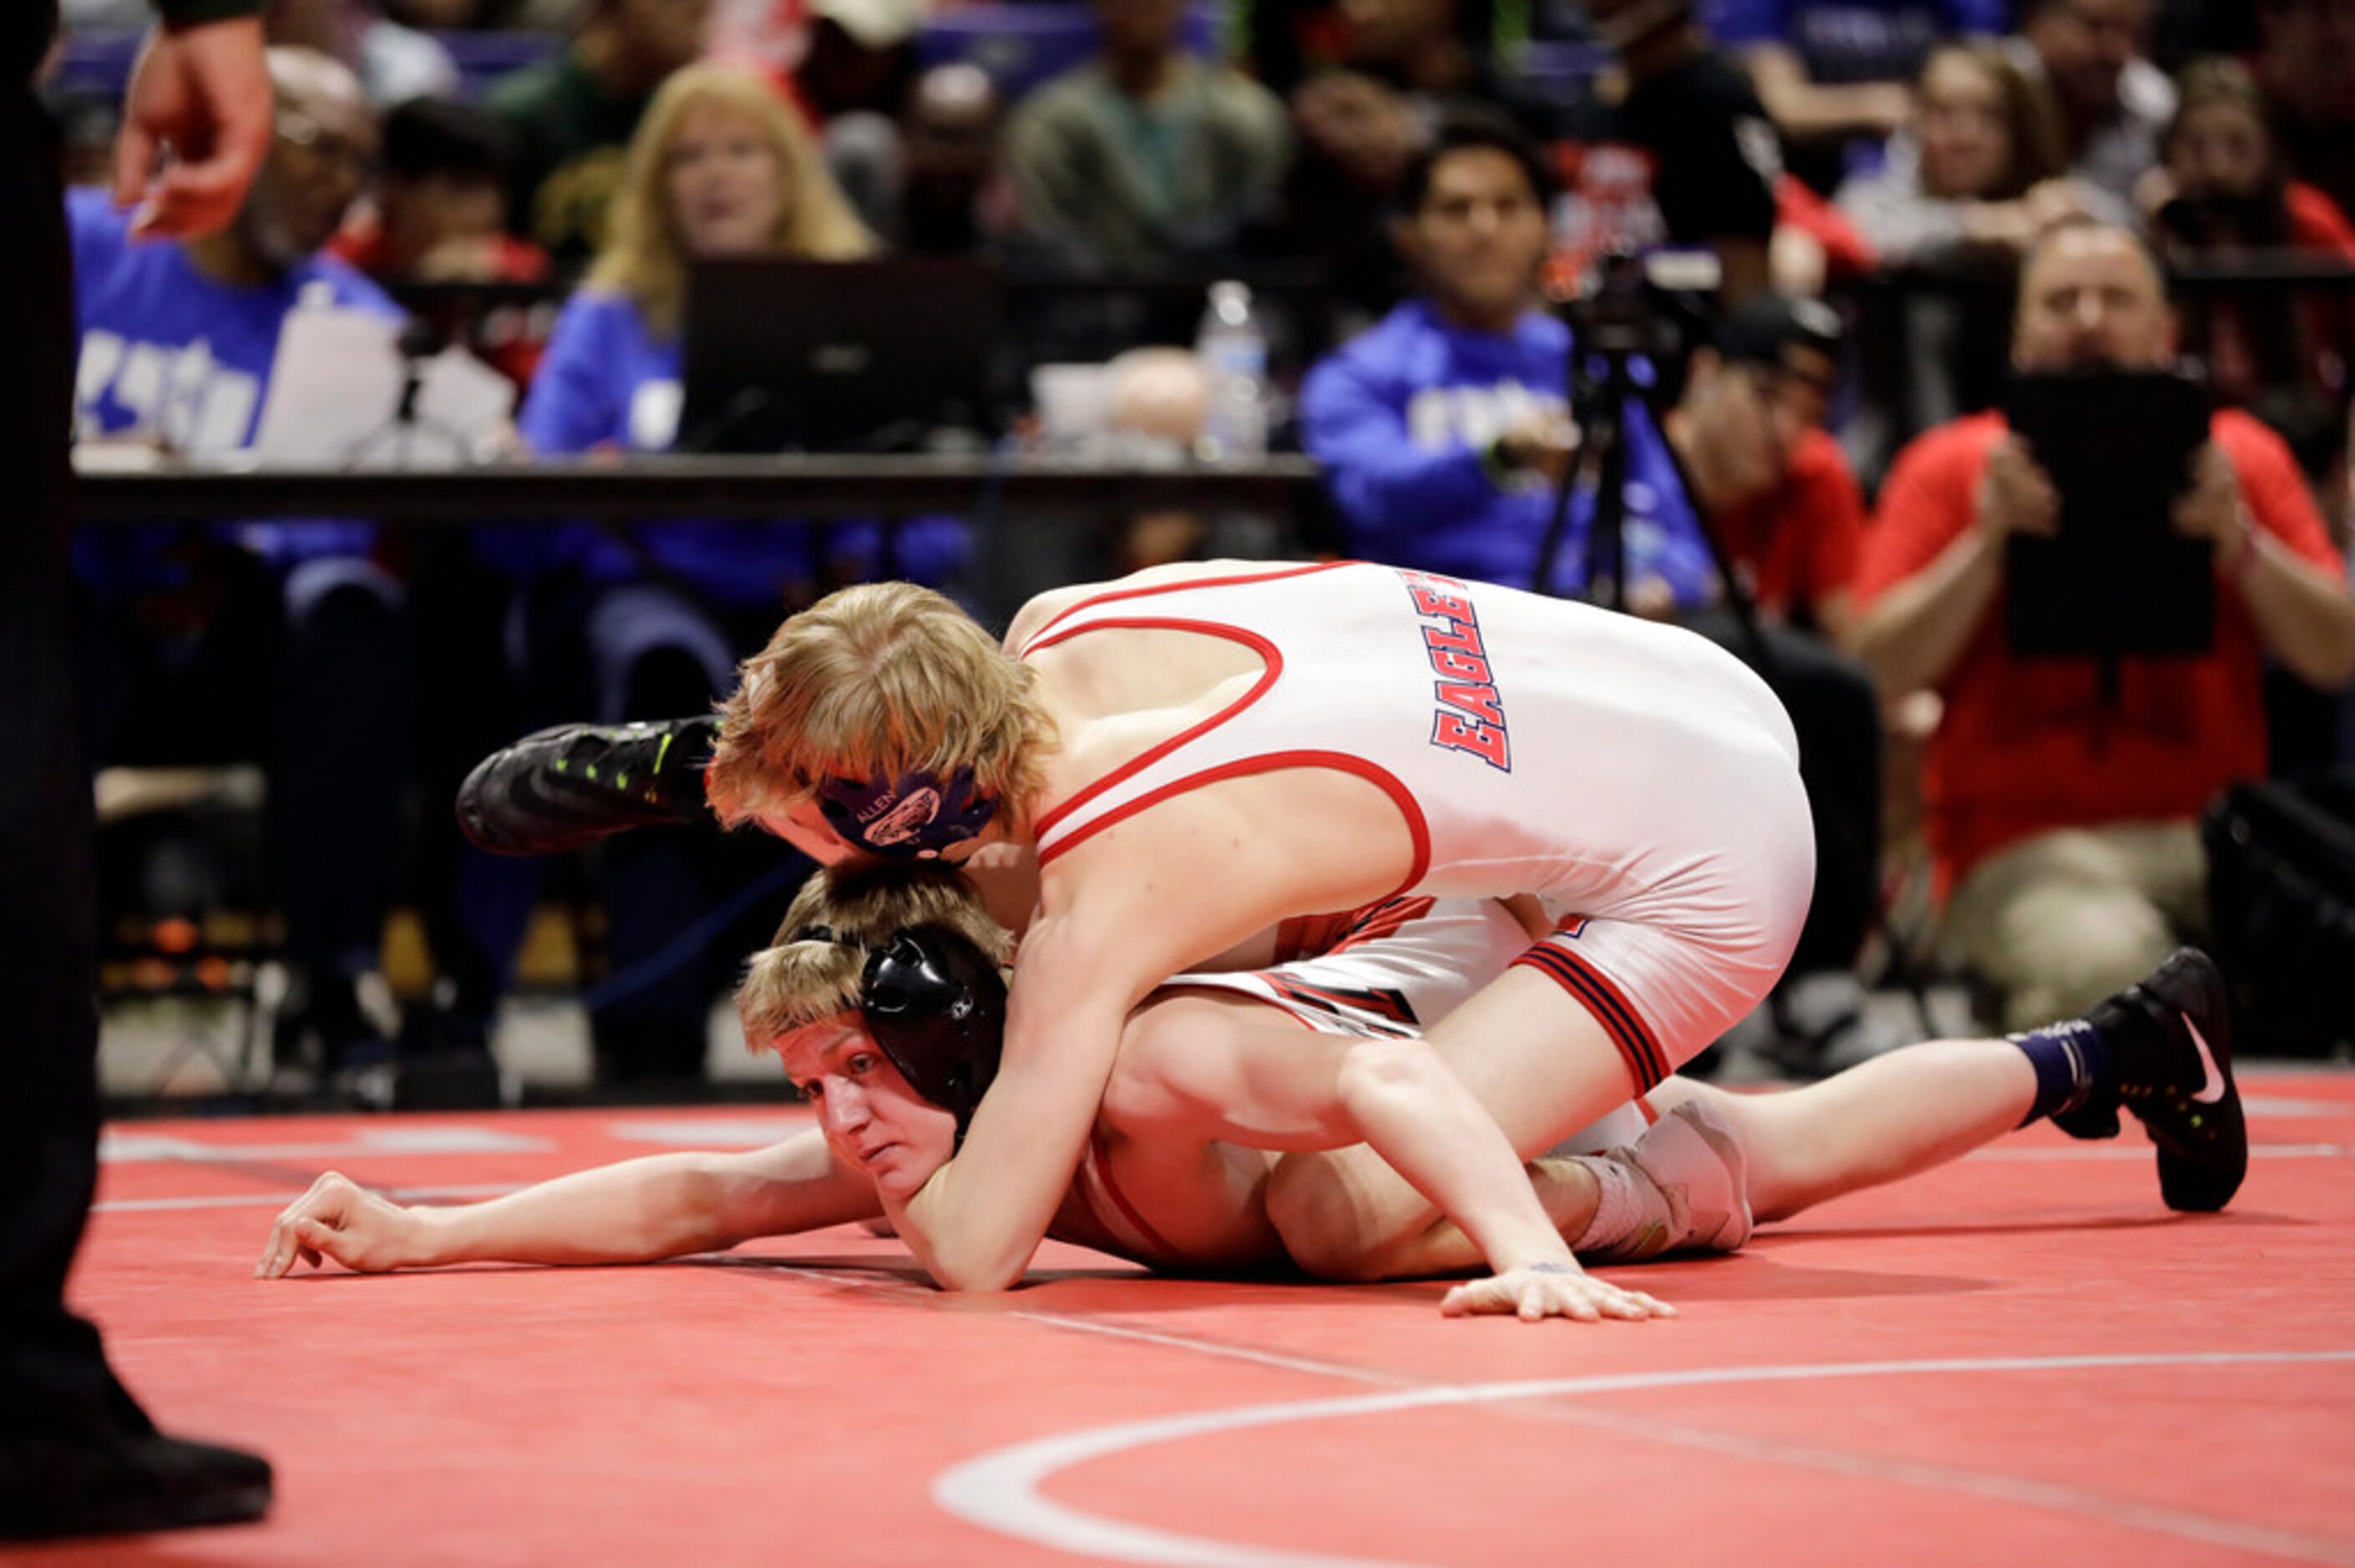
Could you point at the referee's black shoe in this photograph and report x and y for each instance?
(575, 784)
(2170, 1038)
(117, 1482)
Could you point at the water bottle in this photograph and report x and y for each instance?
(1233, 353)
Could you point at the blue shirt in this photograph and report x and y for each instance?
(1854, 40)
(169, 352)
(608, 381)
(1400, 416)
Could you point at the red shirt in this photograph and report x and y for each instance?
(2316, 223)
(1798, 542)
(2027, 745)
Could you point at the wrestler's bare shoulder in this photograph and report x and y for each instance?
(1034, 615)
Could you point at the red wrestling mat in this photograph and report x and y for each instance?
(2020, 1357)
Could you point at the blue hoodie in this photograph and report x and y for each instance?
(167, 351)
(1400, 417)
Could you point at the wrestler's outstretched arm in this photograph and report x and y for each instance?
(636, 1211)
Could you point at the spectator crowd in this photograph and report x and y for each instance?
(1858, 227)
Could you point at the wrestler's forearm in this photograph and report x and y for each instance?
(1414, 1112)
(974, 1224)
(664, 1205)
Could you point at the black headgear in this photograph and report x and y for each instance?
(935, 1004)
(913, 817)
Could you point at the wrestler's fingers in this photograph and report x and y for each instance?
(1634, 1304)
(329, 1198)
(278, 1256)
(270, 1266)
(317, 1241)
(1534, 1307)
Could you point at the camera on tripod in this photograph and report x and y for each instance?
(1630, 330)
(1648, 306)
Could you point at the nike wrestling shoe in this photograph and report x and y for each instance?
(574, 784)
(2171, 1040)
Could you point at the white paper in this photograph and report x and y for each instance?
(335, 387)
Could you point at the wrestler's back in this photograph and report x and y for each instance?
(1624, 750)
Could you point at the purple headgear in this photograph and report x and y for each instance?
(914, 817)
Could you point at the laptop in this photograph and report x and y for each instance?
(836, 356)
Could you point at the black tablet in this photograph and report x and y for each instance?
(2117, 578)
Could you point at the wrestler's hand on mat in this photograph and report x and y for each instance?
(338, 1219)
(1550, 1290)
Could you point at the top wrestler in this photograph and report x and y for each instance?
(1200, 752)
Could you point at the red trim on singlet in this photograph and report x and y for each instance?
(1311, 936)
(1651, 1117)
(1594, 991)
(1272, 762)
(1269, 656)
(1108, 597)
(1384, 919)
(1315, 936)
(1120, 1201)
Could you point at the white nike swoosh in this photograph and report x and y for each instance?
(2212, 1090)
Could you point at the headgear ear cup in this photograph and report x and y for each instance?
(935, 1005)
(914, 817)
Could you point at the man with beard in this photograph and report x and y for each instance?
(2065, 816)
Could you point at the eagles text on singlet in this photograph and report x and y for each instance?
(1470, 717)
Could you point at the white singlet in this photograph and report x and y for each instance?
(1638, 778)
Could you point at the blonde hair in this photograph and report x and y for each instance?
(867, 683)
(644, 257)
(812, 970)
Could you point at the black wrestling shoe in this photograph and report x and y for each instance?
(575, 784)
(119, 1484)
(2170, 1039)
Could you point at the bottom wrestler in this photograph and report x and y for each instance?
(882, 1000)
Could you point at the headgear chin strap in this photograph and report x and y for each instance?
(935, 1004)
(914, 817)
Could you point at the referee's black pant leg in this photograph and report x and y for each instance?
(53, 1374)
